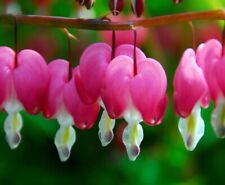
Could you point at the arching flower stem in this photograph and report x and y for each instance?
(223, 40)
(99, 24)
(16, 40)
(190, 23)
(70, 58)
(135, 54)
(113, 43)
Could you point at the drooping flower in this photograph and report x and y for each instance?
(23, 82)
(190, 93)
(64, 104)
(93, 64)
(211, 60)
(136, 97)
(116, 6)
(90, 78)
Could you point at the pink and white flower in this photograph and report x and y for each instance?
(209, 58)
(90, 78)
(135, 97)
(23, 82)
(190, 93)
(64, 104)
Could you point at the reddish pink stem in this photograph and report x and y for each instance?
(98, 24)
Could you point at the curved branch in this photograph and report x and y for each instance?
(98, 24)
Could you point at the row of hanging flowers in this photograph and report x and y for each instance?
(119, 80)
(125, 85)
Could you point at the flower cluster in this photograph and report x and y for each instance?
(123, 82)
(133, 89)
(125, 88)
(199, 78)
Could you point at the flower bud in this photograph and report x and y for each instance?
(116, 6)
(137, 7)
(89, 3)
(177, 1)
(81, 2)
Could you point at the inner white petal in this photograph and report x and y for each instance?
(64, 118)
(65, 136)
(12, 105)
(64, 140)
(218, 117)
(101, 103)
(106, 125)
(132, 115)
(133, 133)
(132, 138)
(12, 126)
(192, 128)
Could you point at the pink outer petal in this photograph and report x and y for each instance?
(208, 55)
(30, 80)
(148, 91)
(93, 64)
(159, 111)
(84, 115)
(219, 74)
(128, 50)
(7, 57)
(190, 86)
(80, 88)
(58, 77)
(115, 93)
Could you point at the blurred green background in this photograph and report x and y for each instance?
(163, 158)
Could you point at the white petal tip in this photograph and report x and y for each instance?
(64, 153)
(13, 140)
(12, 126)
(132, 138)
(106, 126)
(218, 118)
(133, 152)
(189, 144)
(106, 138)
(192, 129)
(64, 140)
(220, 132)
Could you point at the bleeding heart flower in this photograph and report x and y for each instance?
(135, 97)
(64, 104)
(208, 54)
(23, 82)
(93, 64)
(209, 59)
(89, 80)
(190, 92)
